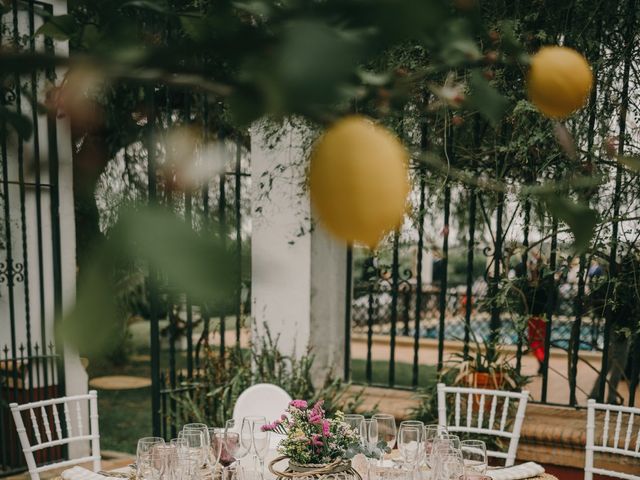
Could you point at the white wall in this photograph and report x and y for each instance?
(298, 280)
(30, 299)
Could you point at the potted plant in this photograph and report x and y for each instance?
(314, 445)
(486, 365)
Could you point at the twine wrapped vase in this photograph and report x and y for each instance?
(313, 470)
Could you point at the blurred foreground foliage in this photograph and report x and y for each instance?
(431, 70)
(176, 257)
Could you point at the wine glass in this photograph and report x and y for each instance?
(144, 447)
(246, 434)
(261, 440)
(430, 434)
(197, 448)
(452, 440)
(450, 467)
(369, 433)
(386, 428)
(233, 472)
(409, 441)
(215, 447)
(442, 447)
(184, 468)
(229, 452)
(354, 420)
(474, 454)
(204, 430)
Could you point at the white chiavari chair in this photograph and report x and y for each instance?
(485, 412)
(625, 440)
(45, 434)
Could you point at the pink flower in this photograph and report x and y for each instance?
(315, 441)
(301, 404)
(315, 417)
(325, 428)
(268, 427)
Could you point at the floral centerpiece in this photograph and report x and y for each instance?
(312, 442)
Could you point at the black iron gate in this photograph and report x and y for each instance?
(30, 246)
(182, 331)
(454, 275)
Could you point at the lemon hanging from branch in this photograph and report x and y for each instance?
(359, 180)
(559, 81)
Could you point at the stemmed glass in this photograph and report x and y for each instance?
(386, 428)
(215, 447)
(196, 446)
(230, 446)
(261, 441)
(143, 450)
(449, 466)
(354, 420)
(369, 433)
(474, 454)
(431, 434)
(246, 434)
(204, 430)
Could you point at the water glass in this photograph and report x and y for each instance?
(474, 454)
(386, 428)
(409, 441)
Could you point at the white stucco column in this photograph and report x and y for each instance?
(298, 273)
(76, 378)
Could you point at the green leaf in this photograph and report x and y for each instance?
(255, 7)
(486, 99)
(195, 263)
(509, 41)
(59, 27)
(20, 123)
(373, 78)
(195, 27)
(631, 162)
(159, 6)
(579, 218)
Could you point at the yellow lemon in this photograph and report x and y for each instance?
(559, 81)
(359, 180)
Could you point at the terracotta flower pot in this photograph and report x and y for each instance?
(485, 381)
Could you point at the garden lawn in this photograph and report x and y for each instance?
(427, 374)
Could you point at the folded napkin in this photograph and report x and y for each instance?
(517, 472)
(79, 473)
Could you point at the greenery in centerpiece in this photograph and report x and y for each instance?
(312, 438)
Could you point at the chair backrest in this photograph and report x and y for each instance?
(625, 440)
(262, 399)
(485, 412)
(66, 415)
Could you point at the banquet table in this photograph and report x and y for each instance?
(127, 472)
